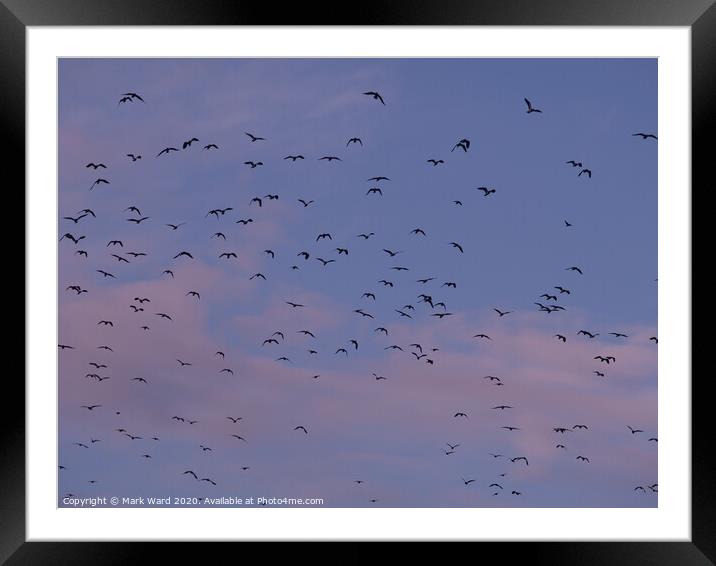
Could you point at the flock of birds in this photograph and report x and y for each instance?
(324, 252)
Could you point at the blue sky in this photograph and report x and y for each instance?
(516, 248)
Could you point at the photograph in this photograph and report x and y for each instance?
(351, 282)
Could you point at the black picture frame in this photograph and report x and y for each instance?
(16, 15)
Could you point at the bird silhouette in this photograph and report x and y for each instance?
(375, 96)
(531, 108)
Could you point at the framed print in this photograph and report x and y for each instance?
(423, 275)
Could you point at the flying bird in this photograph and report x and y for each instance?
(531, 108)
(463, 144)
(188, 143)
(376, 96)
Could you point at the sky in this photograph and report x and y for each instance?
(391, 434)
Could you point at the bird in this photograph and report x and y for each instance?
(254, 138)
(166, 150)
(329, 158)
(645, 136)
(459, 414)
(654, 339)
(354, 140)
(463, 144)
(435, 162)
(467, 482)
(588, 172)
(584, 459)
(210, 146)
(618, 334)
(587, 333)
(90, 407)
(294, 157)
(574, 163)
(301, 427)
(228, 255)
(133, 96)
(305, 203)
(99, 182)
(376, 96)
(375, 190)
(486, 191)
(253, 164)
(531, 108)
(518, 458)
(634, 430)
(574, 268)
(73, 219)
(134, 157)
(188, 143)
(176, 226)
(501, 313)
